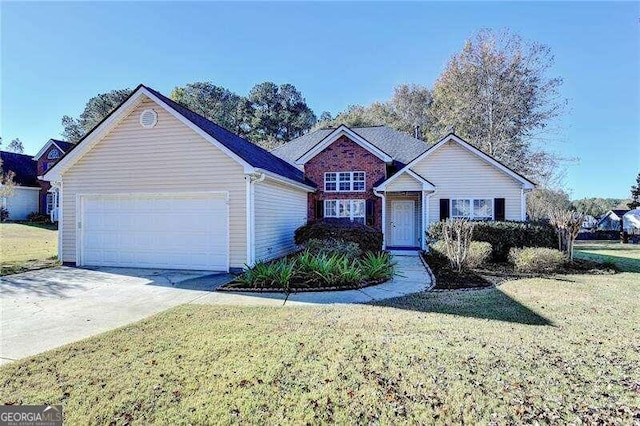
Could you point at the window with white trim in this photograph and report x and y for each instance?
(53, 154)
(344, 181)
(472, 208)
(354, 210)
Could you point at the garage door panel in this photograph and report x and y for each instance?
(157, 231)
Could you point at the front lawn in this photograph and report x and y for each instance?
(27, 246)
(533, 350)
(624, 256)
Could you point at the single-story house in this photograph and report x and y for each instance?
(24, 199)
(157, 185)
(612, 220)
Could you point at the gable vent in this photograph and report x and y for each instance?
(148, 118)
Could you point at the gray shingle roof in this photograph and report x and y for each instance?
(400, 146)
(24, 167)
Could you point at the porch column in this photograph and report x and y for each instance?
(423, 225)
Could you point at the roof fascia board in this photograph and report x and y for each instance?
(89, 141)
(426, 185)
(285, 180)
(248, 168)
(45, 148)
(526, 183)
(342, 130)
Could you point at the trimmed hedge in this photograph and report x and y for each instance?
(503, 236)
(368, 239)
(537, 259)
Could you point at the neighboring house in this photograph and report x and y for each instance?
(24, 199)
(157, 185)
(589, 223)
(399, 185)
(49, 155)
(612, 220)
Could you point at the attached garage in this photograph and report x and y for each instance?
(156, 185)
(173, 231)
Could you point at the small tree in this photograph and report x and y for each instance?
(457, 235)
(567, 224)
(635, 194)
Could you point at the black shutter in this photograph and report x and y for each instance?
(498, 208)
(371, 212)
(444, 208)
(319, 209)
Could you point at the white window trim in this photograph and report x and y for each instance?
(471, 200)
(351, 181)
(50, 202)
(351, 209)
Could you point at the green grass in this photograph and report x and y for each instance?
(624, 256)
(535, 350)
(27, 246)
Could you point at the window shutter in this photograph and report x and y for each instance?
(371, 212)
(498, 209)
(444, 208)
(319, 209)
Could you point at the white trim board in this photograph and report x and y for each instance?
(426, 185)
(526, 183)
(343, 130)
(45, 148)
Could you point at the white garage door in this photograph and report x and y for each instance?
(173, 231)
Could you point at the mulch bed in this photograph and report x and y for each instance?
(495, 273)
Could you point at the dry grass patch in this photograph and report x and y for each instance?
(27, 246)
(535, 350)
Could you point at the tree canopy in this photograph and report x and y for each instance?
(95, 110)
(635, 194)
(596, 207)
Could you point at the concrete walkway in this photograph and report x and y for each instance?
(41, 310)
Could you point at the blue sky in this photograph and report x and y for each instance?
(55, 56)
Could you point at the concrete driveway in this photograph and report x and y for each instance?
(41, 310)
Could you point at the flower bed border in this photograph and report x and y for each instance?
(224, 288)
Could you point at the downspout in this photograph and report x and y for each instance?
(384, 216)
(252, 179)
(523, 205)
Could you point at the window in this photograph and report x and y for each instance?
(53, 154)
(472, 208)
(348, 209)
(45, 166)
(49, 203)
(344, 181)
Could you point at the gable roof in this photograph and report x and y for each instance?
(526, 183)
(24, 167)
(397, 145)
(63, 146)
(253, 157)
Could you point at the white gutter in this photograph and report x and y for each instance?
(286, 180)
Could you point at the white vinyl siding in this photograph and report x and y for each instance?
(405, 182)
(22, 202)
(278, 211)
(168, 158)
(458, 173)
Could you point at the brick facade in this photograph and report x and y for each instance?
(44, 164)
(344, 155)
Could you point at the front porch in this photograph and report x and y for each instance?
(405, 218)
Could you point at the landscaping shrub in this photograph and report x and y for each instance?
(537, 259)
(479, 252)
(4, 214)
(367, 238)
(377, 266)
(36, 217)
(309, 270)
(505, 235)
(333, 246)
